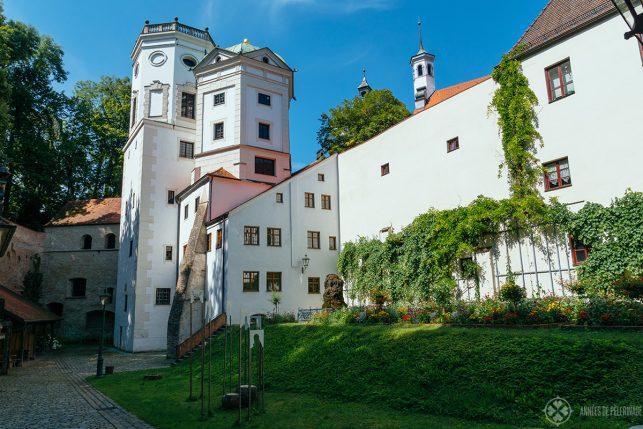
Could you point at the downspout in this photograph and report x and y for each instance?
(224, 244)
(178, 239)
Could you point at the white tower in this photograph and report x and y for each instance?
(423, 78)
(158, 159)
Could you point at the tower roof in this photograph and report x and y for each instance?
(364, 83)
(421, 50)
(243, 47)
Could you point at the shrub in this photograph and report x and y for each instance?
(275, 318)
(511, 292)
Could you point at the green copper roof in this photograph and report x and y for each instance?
(242, 48)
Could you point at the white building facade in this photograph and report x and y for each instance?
(220, 136)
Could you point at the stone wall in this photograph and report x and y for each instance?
(62, 260)
(16, 261)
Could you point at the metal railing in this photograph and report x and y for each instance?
(191, 342)
(176, 26)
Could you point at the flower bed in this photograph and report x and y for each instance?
(547, 311)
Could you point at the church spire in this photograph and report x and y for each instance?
(421, 50)
(364, 88)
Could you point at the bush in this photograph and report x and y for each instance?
(275, 318)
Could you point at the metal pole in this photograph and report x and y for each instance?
(239, 373)
(99, 361)
(202, 356)
(191, 397)
(210, 369)
(225, 354)
(249, 376)
(560, 267)
(551, 276)
(533, 249)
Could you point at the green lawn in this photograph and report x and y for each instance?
(410, 376)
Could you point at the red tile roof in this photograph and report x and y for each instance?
(562, 17)
(98, 211)
(222, 172)
(444, 94)
(23, 309)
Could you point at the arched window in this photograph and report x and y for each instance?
(86, 242)
(420, 70)
(265, 60)
(78, 287)
(429, 69)
(110, 241)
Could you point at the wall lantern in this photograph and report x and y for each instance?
(6, 228)
(304, 263)
(632, 13)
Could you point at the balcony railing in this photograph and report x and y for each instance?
(176, 26)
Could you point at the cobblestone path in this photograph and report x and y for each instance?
(51, 391)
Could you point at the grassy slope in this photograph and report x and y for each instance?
(503, 376)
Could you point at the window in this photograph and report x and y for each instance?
(453, 144)
(325, 201)
(251, 281)
(110, 241)
(309, 199)
(557, 175)
(263, 99)
(163, 296)
(579, 251)
(86, 242)
(133, 111)
(78, 287)
(110, 292)
(313, 284)
(218, 131)
(279, 197)
(384, 170)
(125, 306)
(170, 197)
(208, 238)
(264, 166)
(265, 60)
(429, 69)
(189, 61)
(332, 243)
(313, 239)
(186, 149)
(320, 177)
(264, 131)
(131, 247)
(168, 253)
(559, 80)
(251, 235)
(219, 98)
(187, 105)
(273, 282)
(219, 238)
(186, 211)
(197, 201)
(274, 237)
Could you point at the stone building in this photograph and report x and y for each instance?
(79, 263)
(15, 263)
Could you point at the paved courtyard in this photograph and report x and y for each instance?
(51, 391)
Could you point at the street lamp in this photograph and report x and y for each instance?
(632, 13)
(304, 263)
(6, 229)
(99, 362)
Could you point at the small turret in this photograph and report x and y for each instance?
(423, 78)
(364, 88)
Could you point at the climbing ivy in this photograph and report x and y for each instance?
(514, 102)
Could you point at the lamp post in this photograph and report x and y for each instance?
(99, 362)
(632, 13)
(6, 229)
(304, 263)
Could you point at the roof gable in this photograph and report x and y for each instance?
(21, 308)
(563, 17)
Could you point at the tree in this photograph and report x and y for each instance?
(359, 119)
(107, 119)
(514, 101)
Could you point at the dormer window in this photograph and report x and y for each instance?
(217, 59)
(265, 60)
(420, 70)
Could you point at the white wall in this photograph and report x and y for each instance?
(294, 220)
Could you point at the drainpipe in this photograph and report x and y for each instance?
(224, 244)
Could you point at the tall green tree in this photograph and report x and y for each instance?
(106, 117)
(359, 119)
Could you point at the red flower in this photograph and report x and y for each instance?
(406, 317)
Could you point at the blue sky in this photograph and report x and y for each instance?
(328, 41)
